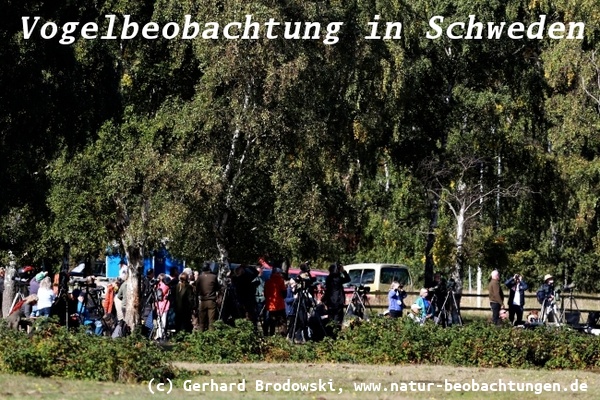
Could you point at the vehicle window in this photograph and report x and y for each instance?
(355, 275)
(368, 276)
(390, 274)
(361, 276)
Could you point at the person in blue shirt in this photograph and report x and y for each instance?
(84, 315)
(426, 308)
(396, 297)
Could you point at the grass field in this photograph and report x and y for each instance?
(341, 377)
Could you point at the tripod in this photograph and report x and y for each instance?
(298, 323)
(573, 315)
(550, 311)
(449, 312)
(229, 309)
(359, 304)
(92, 300)
(156, 314)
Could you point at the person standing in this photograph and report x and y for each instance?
(275, 293)
(46, 297)
(207, 287)
(547, 297)
(335, 297)
(396, 297)
(516, 298)
(162, 306)
(245, 281)
(184, 304)
(121, 300)
(496, 297)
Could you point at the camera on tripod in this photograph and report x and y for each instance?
(24, 275)
(362, 289)
(304, 283)
(451, 285)
(566, 288)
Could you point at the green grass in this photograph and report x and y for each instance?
(342, 375)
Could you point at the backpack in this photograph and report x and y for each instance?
(121, 330)
(541, 296)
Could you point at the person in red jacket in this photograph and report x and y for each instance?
(275, 293)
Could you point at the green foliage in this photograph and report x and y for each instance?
(222, 344)
(296, 148)
(53, 351)
(400, 341)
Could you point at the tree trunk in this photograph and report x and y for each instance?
(429, 263)
(231, 172)
(459, 265)
(223, 252)
(10, 289)
(136, 267)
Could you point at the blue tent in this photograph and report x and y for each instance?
(161, 261)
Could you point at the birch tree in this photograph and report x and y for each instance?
(461, 190)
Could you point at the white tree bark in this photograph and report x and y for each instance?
(231, 172)
(10, 288)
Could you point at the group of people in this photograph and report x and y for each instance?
(187, 301)
(436, 303)
(176, 301)
(513, 312)
(36, 297)
(292, 307)
(299, 308)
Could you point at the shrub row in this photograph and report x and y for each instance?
(388, 341)
(52, 350)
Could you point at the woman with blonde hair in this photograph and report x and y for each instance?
(46, 297)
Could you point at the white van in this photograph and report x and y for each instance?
(378, 277)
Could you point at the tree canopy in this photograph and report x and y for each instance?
(298, 148)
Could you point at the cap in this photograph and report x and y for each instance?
(415, 307)
(548, 276)
(40, 276)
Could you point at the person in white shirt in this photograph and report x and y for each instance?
(46, 297)
(516, 298)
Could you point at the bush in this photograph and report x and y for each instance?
(52, 350)
(399, 341)
(224, 344)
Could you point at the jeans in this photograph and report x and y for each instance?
(495, 313)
